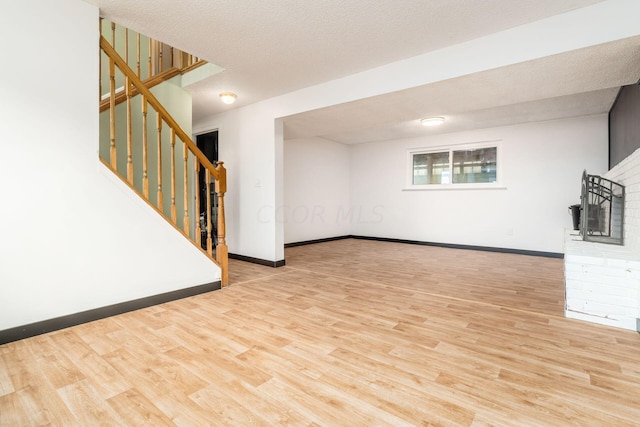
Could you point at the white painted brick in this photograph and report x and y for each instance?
(625, 260)
(603, 309)
(574, 294)
(590, 271)
(571, 283)
(603, 281)
(584, 259)
(624, 292)
(626, 288)
(577, 304)
(617, 303)
(606, 281)
(570, 267)
(627, 299)
(628, 323)
(631, 205)
(617, 314)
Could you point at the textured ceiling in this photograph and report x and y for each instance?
(272, 47)
(577, 83)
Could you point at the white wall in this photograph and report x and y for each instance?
(542, 164)
(73, 237)
(317, 198)
(250, 142)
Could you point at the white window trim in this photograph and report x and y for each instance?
(498, 185)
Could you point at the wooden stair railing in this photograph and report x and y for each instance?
(190, 153)
(160, 63)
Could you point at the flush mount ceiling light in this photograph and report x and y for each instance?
(432, 121)
(228, 97)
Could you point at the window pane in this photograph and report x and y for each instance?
(475, 165)
(431, 168)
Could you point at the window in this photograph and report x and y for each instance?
(431, 168)
(475, 165)
(470, 166)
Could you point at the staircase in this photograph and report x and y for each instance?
(162, 164)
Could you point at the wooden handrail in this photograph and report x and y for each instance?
(153, 101)
(216, 173)
(151, 82)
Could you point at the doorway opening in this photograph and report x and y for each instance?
(208, 144)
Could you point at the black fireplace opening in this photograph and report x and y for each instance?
(602, 210)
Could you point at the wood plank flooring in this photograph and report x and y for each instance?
(350, 333)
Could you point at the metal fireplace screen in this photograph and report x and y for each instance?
(602, 215)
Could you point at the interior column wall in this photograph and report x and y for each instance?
(317, 201)
(249, 140)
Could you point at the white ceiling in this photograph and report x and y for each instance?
(578, 83)
(272, 47)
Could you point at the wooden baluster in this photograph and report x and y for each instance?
(160, 51)
(174, 214)
(145, 150)
(113, 160)
(126, 45)
(100, 68)
(129, 132)
(171, 49)
(149, 59)
(138, 54)
(129, 120)
(208, 210)
(159, 128)
(113, 34)
(197, 209)
(185, 219)
(222, 251)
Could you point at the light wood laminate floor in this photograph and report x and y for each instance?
(349, 333)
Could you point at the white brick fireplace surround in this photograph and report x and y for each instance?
(603, 281)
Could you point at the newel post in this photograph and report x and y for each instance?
(222, 252)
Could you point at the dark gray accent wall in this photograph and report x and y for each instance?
(624, 124)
